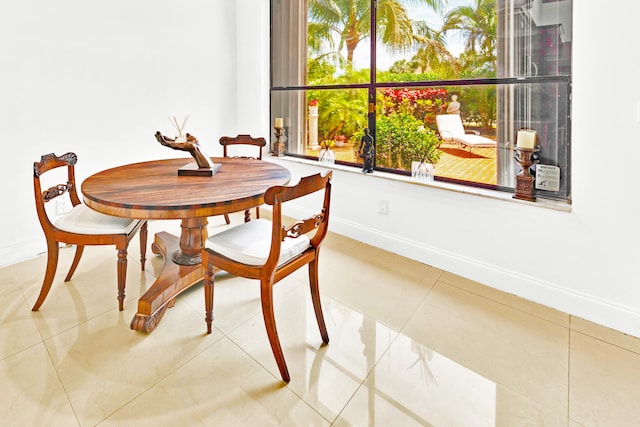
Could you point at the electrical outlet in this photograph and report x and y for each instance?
(383, 207)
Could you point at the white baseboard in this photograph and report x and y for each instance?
(552, 295)
(18, 253)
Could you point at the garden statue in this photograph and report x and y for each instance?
(454, 105)
(367, 151)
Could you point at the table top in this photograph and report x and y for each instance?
(153, 189)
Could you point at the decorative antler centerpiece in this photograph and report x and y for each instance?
(181, 136)
(186, 142)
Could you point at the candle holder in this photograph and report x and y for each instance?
(524, 180)
(278, 146)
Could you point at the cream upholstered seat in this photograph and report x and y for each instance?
(451, 130)
(80, 226)
(251, 243)
(84, 220)
(269, 251)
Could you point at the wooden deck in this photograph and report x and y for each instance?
(477, 165)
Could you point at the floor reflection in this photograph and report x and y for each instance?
(409, 345)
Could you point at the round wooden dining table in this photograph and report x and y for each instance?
(154, 190)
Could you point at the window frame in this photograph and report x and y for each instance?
(373, 86)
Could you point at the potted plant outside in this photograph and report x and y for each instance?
(425, 152)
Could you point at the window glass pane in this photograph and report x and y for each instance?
(422, 41)
(288, 47)
(533, 38)
(543, 107)
(473, 39)
(328, 43)
(468, 132)
(339, 41)
(317, 118)
(453, 128)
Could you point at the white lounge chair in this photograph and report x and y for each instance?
(451, 130)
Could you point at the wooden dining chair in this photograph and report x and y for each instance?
(247, 141)
(81, 226)
(271, 250)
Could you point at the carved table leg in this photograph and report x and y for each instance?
(194, 233)
(182, 269)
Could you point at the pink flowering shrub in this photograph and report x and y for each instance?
(423, 104)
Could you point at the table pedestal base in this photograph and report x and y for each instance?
(172, 281)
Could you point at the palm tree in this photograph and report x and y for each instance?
(350, 20)
(344, 117)
(432, 54)
(478, 26)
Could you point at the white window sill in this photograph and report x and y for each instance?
(475, 191)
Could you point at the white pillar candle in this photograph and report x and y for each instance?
(279, 122)
(313, 130)
(526, 138)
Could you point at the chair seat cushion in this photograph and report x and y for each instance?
(84, 220)
(250, 243)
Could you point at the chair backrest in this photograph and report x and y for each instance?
(47, 163)
(276, 196)
(451, 123)
(243, 139)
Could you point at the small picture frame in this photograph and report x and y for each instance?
(547, 177)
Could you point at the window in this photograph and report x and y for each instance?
(500, 65)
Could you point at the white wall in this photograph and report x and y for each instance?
(100, 77)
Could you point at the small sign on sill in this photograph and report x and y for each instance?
(547, 177)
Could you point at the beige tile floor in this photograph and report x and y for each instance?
(410, 345)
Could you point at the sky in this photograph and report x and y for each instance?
(418, 13)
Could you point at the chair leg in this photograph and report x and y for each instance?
(315, 298)
(208, 297)
(122, 276)
(143, 244)
(76, 261)
(257, 212)
(226, 219)
(52, 265)
(266, 295)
